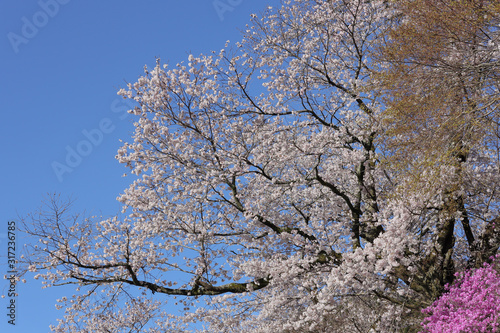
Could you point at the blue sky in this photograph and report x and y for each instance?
(61, 64)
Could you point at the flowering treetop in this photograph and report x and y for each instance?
(264, 201)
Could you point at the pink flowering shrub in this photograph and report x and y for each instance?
(471, 304)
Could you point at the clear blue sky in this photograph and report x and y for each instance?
(61, 63)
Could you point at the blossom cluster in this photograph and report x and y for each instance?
(471, 304)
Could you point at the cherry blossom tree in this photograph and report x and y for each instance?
(263, 199)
